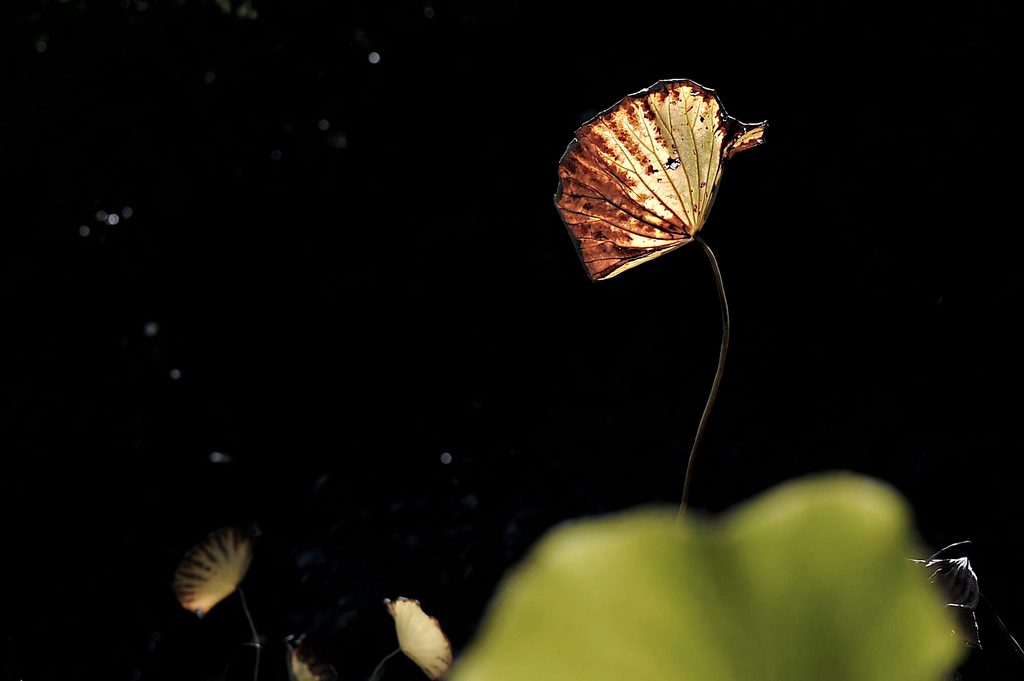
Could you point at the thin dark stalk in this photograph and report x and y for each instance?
(1002, 627)
(714, 387)
(255, 636)
(231, 661)
(380, 664)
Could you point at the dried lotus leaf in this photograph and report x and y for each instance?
(304, 664)
(640, 178)
(420, 637)
(211, 571)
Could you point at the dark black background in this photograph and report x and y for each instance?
(345, 310)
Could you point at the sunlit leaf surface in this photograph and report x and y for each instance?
(211, 571)
(420, 637)
(639, 179)
(811, 581)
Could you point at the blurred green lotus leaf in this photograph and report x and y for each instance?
(811, 581)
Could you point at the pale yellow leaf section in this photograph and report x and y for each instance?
(211, 571)
(420, 637)
(298, 670)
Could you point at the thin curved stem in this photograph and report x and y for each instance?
(1002, 627)
(714, 387)
(380, 664)
(255, 636)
